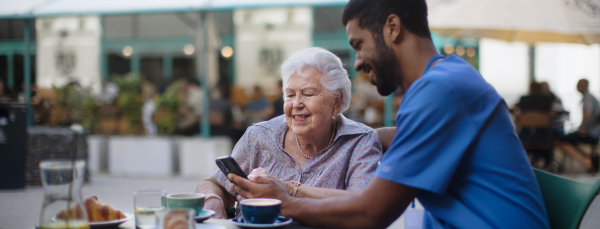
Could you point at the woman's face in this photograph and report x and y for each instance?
(308, 106)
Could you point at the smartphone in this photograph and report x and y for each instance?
(228, 165)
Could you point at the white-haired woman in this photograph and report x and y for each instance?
(313, 149)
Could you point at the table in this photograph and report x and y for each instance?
(222, 222)
(229, 225)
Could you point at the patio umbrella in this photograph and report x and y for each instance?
(565, 21)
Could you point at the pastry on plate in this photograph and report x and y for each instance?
(97, 211)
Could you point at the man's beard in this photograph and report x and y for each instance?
(384, 66)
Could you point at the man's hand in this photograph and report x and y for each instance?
(259, 187)
(217, 206)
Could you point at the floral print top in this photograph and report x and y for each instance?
(349, 163)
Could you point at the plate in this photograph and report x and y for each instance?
(281, 221)
(108, 224)
(204, 215)
(112, 223)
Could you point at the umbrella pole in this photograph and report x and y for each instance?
(203, 56)
(531, 63)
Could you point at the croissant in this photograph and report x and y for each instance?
(73, 213)
(96, 211)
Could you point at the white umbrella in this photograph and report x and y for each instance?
(19, 9)
(565, 21)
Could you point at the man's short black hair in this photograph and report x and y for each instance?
(373, 14)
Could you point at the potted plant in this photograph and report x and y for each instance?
(130, 99)
(167, 105)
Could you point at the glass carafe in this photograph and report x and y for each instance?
(62, 206)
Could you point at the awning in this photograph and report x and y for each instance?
(48, 8)
(102, 7)
(19, 9)
(568, 21)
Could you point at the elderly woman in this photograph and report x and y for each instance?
(313, 149)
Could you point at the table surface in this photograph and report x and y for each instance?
(214, 224)
(230, 225)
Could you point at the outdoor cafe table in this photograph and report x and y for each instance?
(223, 222)
(230, 225)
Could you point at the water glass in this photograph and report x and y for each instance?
(62, 206)
(147, 203)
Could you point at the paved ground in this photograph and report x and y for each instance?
(21, 208)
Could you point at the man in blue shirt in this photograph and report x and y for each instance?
(455, 148)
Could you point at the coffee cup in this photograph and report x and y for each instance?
(186, 200)
(260, 210)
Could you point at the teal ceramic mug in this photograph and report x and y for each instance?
(186, 200)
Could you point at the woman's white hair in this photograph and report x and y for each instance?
(335, 77)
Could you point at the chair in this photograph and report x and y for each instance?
(566, 200)
(535, 133)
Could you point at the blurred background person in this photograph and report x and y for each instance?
(149, 95)
(259, 108)
(110, 92)
(536, 137)
(588, 131)
(188, 122)
(535, 100)
(559, 115)
(556, 102)
(278, 104)
(221, 116)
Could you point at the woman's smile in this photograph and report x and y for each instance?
(300, 118)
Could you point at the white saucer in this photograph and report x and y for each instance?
(281, 221)
(204, 215)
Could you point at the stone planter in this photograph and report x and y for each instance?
(156, 156)
(197, 155)
(140, 156)
(97, 153)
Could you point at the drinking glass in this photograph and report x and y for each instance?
(62, 206)
(146, 204)
(178, 218)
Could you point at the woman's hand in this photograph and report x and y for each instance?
(217, 206)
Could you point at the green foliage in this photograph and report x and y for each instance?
(75, 104)
(91, 111)
(167, 107)
(130, 99)
(129, 83)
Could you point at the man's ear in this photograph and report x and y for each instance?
(392, 29)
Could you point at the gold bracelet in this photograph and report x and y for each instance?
(296, 185)
(213, 196)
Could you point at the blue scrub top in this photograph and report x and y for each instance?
(455, 141)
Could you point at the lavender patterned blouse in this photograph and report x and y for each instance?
(349, 163)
